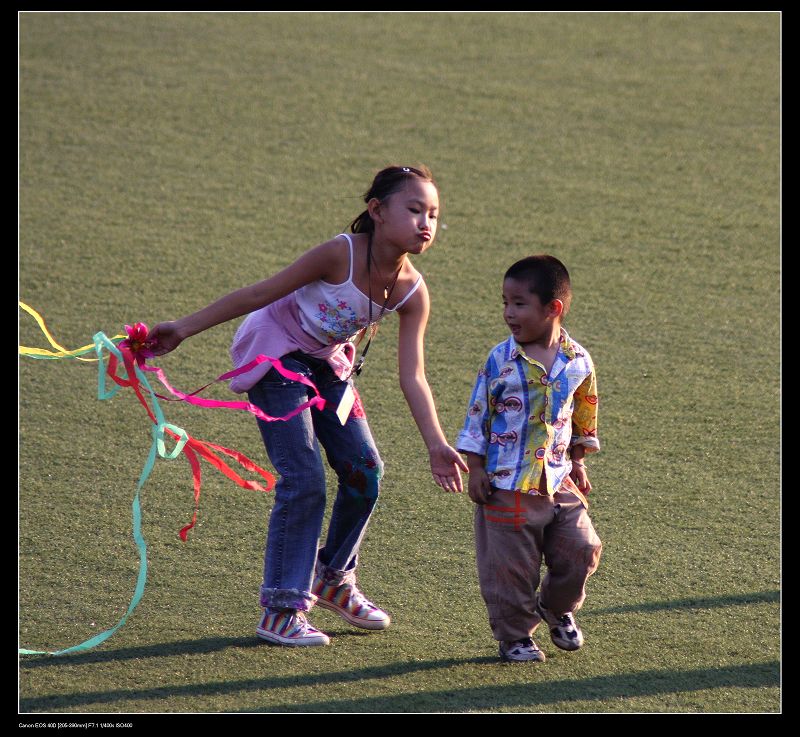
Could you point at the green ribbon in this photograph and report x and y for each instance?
(157, 448)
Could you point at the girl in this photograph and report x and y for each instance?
(307, 315)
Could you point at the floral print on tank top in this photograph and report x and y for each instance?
(339, 321)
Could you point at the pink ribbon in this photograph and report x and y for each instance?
(317, 401)
(138, 347)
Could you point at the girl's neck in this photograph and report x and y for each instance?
(386, 257)
(378, 270)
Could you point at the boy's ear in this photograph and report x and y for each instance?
(555, 308)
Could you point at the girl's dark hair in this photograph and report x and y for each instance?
(388, 181)
(546, 276)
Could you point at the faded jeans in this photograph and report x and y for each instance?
(293, 446)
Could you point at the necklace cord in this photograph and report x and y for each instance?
(387, 295)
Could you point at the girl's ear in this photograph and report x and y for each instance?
(555, 308)
(374, 209)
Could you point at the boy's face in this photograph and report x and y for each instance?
(527, 318)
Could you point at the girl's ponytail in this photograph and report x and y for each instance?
(363, 223)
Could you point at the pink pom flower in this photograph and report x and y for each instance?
(136, 342)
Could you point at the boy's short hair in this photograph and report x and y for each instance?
(547, 278)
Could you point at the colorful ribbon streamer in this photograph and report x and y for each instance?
(60, 351)
(126, 367)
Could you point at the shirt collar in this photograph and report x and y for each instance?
(566, 347)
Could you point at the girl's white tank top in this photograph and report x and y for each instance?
(320, 319)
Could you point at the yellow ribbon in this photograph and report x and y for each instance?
(60, 351)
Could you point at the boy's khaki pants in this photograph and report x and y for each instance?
(514, 534)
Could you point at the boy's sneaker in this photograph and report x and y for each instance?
(520, 651)
(349, 603)
(564, 630)
(289, 627)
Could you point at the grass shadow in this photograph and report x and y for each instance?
(164, 650)
(44, 703)
(478, 698)
(527, 697)
(700, 602)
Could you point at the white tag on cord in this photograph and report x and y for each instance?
(346, 404)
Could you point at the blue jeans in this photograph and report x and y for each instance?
(293, 446)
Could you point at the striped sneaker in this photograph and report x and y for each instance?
(350, 604)
(289, 627)
(564, 630)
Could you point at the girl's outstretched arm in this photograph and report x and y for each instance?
(318, 263)
(446, 462)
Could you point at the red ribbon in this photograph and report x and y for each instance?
(136, 349)
(194, 448)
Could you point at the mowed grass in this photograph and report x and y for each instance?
(168, 158)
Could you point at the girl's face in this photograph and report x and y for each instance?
(527, 318)
(408, 218)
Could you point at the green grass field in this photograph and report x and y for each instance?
(168, 158)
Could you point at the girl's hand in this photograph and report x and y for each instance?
(163, 338)
(579, 476)
(446, 467)
(479, 488)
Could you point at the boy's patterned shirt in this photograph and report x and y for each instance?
(523, 421)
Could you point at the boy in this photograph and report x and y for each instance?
(531, 420)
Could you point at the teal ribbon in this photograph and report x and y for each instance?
(157, 448)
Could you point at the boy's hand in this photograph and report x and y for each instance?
(579, 476)
(479, 488)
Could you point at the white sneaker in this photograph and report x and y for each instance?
(564, 630)
(520, 651)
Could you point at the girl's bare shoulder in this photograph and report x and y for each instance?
(331, 260)
(419, 300)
